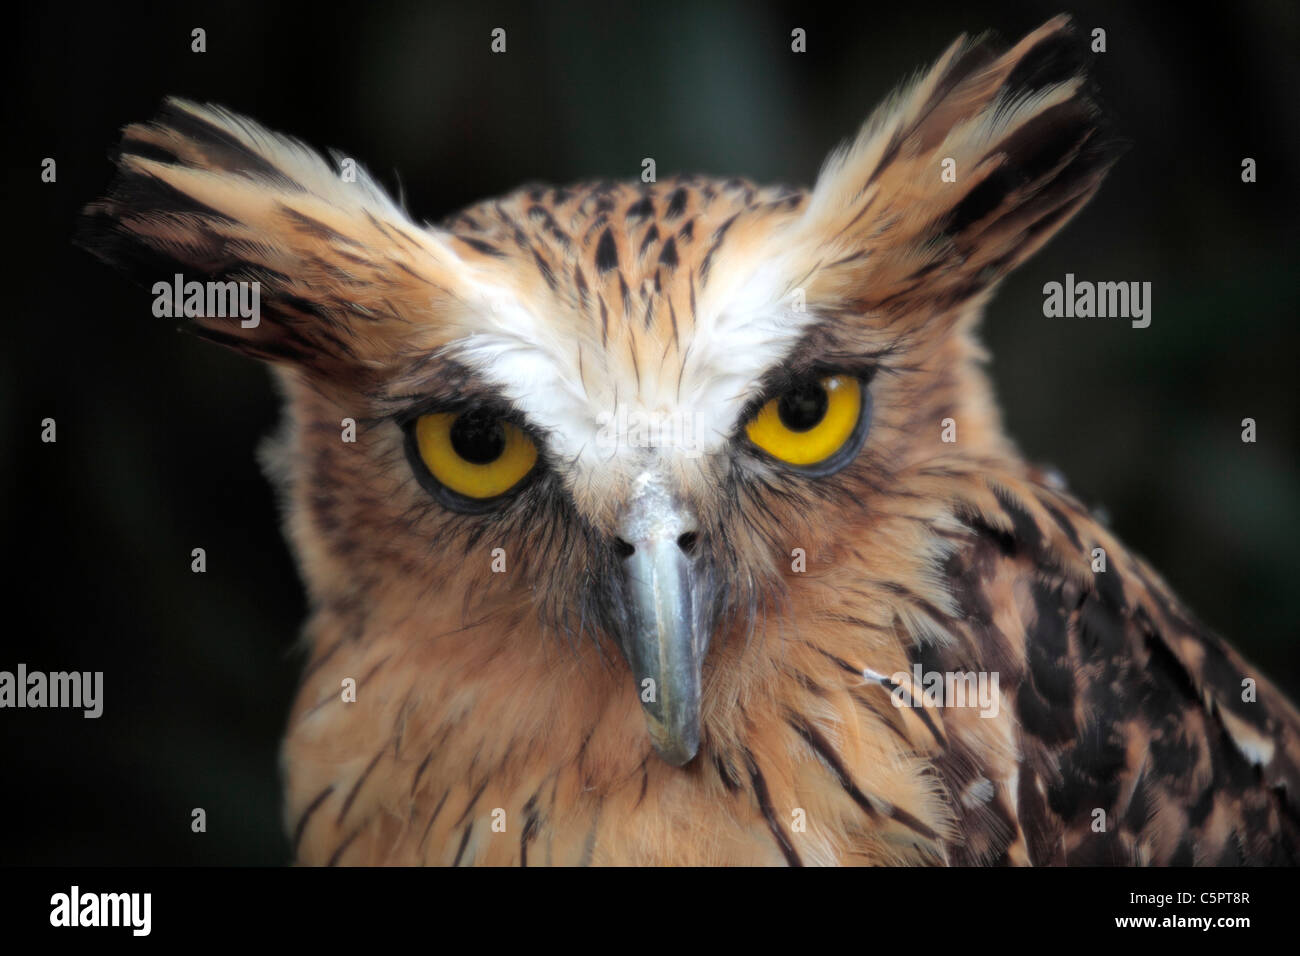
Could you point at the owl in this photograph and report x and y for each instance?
(674, 522)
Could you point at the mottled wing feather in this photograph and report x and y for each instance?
(1137, 745)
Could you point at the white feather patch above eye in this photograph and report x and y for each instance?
(597, 415)
(532, 366)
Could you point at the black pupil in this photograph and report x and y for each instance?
(803, 407)
(478, 437)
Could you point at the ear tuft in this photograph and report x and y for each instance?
(216, 198)
(1023, 146)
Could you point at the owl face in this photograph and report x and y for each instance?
(629, 413)
(639, 421)
(628, 442)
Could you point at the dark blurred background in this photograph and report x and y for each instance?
(157, 431)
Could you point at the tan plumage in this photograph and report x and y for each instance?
(497, 719)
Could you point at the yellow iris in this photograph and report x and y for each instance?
(784, 437)
(503, 459)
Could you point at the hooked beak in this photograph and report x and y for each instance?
(665, 641)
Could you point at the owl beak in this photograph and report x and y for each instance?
(665, 642)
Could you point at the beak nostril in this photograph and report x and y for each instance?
(623, 549)
(687, 542)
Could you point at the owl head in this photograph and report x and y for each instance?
(628, 413)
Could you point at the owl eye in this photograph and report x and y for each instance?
(818, 424)
(473, 456)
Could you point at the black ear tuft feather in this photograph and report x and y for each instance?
(1057, 59)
